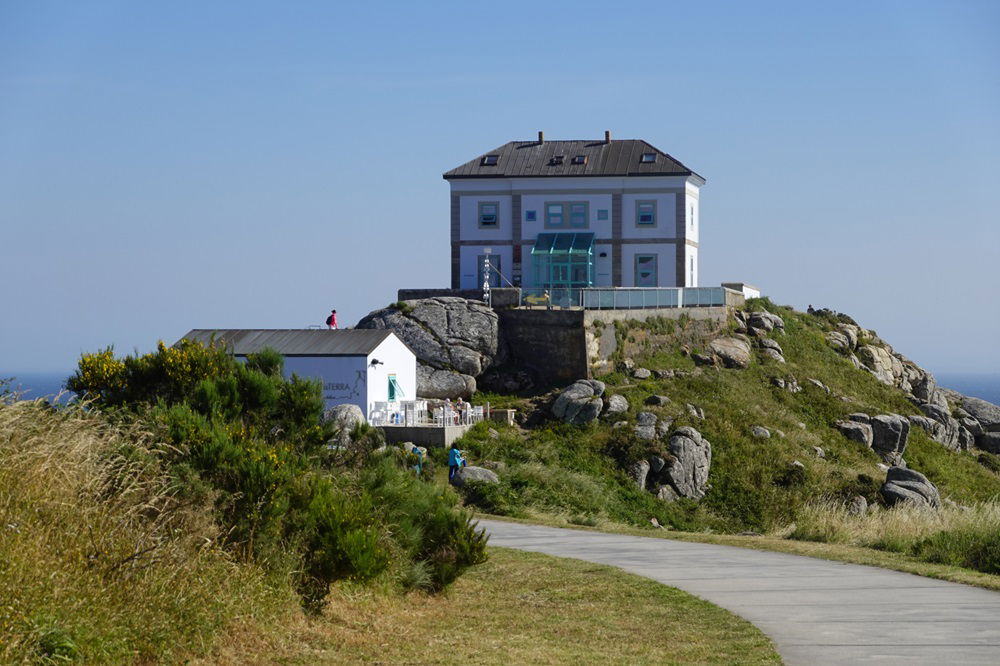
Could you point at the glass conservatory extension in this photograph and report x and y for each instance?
(563, 261)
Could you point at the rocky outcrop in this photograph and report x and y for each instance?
(638, 471)
(449, 335)
(986, 413)
(732, 352)
(645, 426)
(617, 404)
(687, 472)
(889, 437)
(906, 485)
(344, 417)
(762, 322)
(441, 384)
(471, 473)
(856, 432)
(580, 402)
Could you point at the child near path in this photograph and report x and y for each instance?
(455, 462)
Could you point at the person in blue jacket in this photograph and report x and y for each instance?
(454, 462)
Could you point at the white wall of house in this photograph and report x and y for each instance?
(691, 267)
(666, 262)
(597, 193)
(666, 216)
(396, 359)
(469, 264)
(537, 202)
(353, 380)
(469, 218)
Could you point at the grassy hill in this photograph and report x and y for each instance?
(579, 473)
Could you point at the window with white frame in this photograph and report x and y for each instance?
(645, 270)
(489, 214)
(567, 215)
(645, 213)
(555, 215)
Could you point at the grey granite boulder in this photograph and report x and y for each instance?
(772, 354)
(446, 333)
(344, 417)
(907, 485)
(657, 400)
(858, 506)
(642, 373)
(480, 474)
(617, 404)
(666, 493)
(638, 471)
(580, 402)
(889, 437)
(645, 427)
(768, 343)
(766, 321)
(985, 412)
(886, 367)
(838, 340)
(942, 428)
(733, 352)
(441, 384)
(859, 417)
(856, 432)
(656, 463)
(691, 461)
(760, 432)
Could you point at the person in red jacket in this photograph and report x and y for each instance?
(331, 321)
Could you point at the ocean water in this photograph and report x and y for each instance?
(33, 385)
(982, 386)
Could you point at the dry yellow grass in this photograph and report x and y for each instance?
(98, 561)
(518, 608)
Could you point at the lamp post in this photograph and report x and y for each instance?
(486, 275)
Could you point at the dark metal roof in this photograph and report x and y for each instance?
(294, 341)
(620, 157)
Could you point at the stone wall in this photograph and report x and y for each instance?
(550, 343)
(599, 328)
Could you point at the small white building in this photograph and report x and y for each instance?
(575, 214)
(356, 366)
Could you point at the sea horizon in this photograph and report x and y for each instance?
(33, 385)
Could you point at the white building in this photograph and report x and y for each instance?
(572, 214)
(355, 366)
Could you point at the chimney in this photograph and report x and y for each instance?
(607, 136)
(541, 137)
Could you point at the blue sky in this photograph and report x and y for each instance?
(167, 166)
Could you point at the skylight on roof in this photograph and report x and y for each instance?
(556, 160)
(648, 158)
(490, 160)
(580, 159)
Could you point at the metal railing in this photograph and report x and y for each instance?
(624, 298)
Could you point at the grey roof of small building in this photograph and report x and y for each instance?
(620, 157)
(294, 341)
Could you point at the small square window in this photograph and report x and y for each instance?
(645, 213)
(648, 158)
(580, 159)
(556, 160)
(602, 213)
(490, 160)
(578, 215)
(530, 216)
(489, 214)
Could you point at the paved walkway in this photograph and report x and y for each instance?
(815, 611)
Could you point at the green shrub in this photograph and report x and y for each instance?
(973, 547)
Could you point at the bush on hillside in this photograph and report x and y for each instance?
(254, 442)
